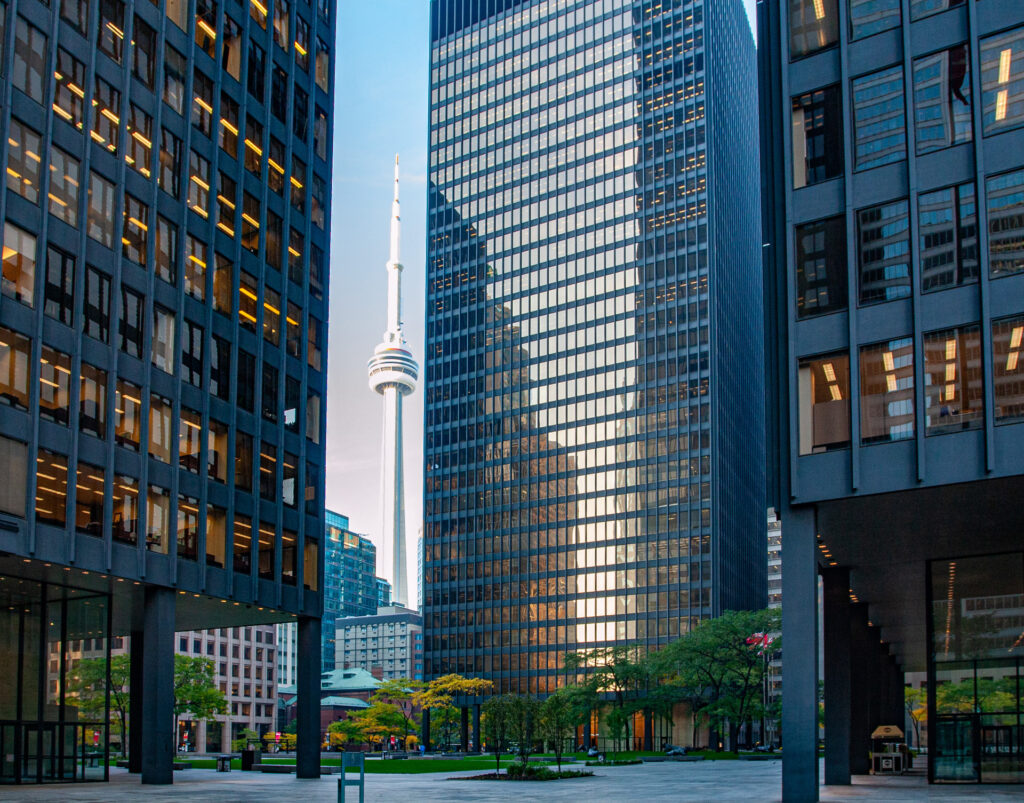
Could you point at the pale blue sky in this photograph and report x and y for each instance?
(381, 96)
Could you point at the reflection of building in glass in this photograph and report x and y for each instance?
(948, 237)
(942, 104)
(593, 464)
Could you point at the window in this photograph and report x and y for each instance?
(100, 219)
(318, 213)
(110, 38)
(313, 355)
(228, 125)
(199, 184)
(300, 116)
(169, 179)
(271, 316)
(311, 565)
(251, 223)
(821, 266)
(97, 304)
(160, 417)
(290, 479)
(878, 119)
(293, 322)
(144, 53)
(54, 385)
(924, 8)
(140, 140)
(313, 417)
(268, 399)
(887, 391)
(24, 164)
(15, 358)
(275, 236)
(166, 250)
(28, 70)
(253, 146)
(195, 267)
(192, 353)
(279, 93)
(158, 519)
(14, 456)
(175, 70)
(227, 197)
(132, 322)
(59, 290)
(231, 52)
(177, 12)
(276, 160)
(281, 19)
(220, 368)
(953, 380)
(869, 17)
(292, 394)
(242, 544)
(217, 451)
(216, 541)
(883, 252)
(162, 352)
(316, 272)
(89, 500)
(69, 94)
(202, 101)
(942, 99)
(106, 119)
(19, 264)
(298, 184)
(127, 415)
(289, 557)
(243, 461)
(1002, 81)
(948, 223)
(301, 44)
(320, 136)
(323, 65)
(266, 551)
(1008, 369)
(76, 14)
(245, 381)
(258, 11)
(51, 488)
(190, 440)
(254, 78)
(92, 401)
(222, 284)
(1005, 223)
(136, 229)
(268, 471)
(813, 26)
(295, 272)
(188, 527)
(125, 494)
(206, 26)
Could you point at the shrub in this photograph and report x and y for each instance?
(529, 772)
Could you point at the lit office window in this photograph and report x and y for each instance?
(135, 233)
(953, 380)
(24, 165)
(942, 99)
(92, 401)
(222, 284)
(250, 223)
(295, 266)
(161, 414)
(869, 17)
(1005, 201)
(162, 353)
(1008, 369)
(59, 289)
(821, 266)
(276, 161)
(271, 316)
(127, 415)
(216, 536)
(132, 322)
(110, 37)
(188, 527)
(202, 102)
(65, 182)
(227, 198)
(281, 20)
(813, 26)
(1002, 81)
(817, 136)
(268, 471)
(169, 178)
(125, 494)
(19, 264)
(879, 118)
(51, 488)
(89, 487)
(242, 544)
(243, 461)
(253, 146)
(54, 385)
(140, 140)
(258, 11)
(97, 304)
(883, 252)
(887, 391)
(302, 44)
(28, 70)
(231, 52)
(69, 92)
(206, 26)
(248, 300)
(106, 120)
(293, 321)
(948, 225)
(100, 218)
(217, 451)
(158, 519)
(175, 70)
(15, 358)
(199, 184)
(195, 267)
(144, 52)
(166, 251)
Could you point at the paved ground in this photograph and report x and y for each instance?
(719, 781)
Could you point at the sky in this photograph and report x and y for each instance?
(381, 98)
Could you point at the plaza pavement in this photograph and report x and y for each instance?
(719, 781)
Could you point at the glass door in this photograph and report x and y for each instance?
(956, 749)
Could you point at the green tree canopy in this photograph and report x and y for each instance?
(558, 721)
(497, 725)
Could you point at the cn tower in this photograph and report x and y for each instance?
(393, 373)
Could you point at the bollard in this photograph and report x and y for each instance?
(352, 760)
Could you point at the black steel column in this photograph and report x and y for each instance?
(478, 737)
(862, 659)
(800, 624)
(307, 709)
(836, 603)
(586, 734)
(425, 729)
(157, 737)
(464, 711)
(135, 702)
(648, 729)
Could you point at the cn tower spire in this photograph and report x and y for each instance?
(393, 374)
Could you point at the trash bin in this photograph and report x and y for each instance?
(248, 759)
(223, 763)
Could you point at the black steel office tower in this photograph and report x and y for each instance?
(594, 458)
(162, 355)
(894, 227)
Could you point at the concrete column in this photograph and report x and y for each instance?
(836, 603)
(478, 736)
(135, 701)
(464, 711)
(307, 701)
(425, 729)
(157, 737)
(800, 678)
(862, 653)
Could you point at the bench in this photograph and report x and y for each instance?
(261, 766)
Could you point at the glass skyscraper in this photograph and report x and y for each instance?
(594, 392)
(162, 344)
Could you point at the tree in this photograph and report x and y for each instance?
(244, 736)
(439, 694)
(620, 672)
(524, 716)
(558, 721)
(497, 724)
(380, 721)
(399, 693)
(195, 691)
(87, 683)
(916, 702)
(345, 731)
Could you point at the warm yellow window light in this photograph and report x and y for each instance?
(1005, 57)
(890, 383)
(887, 361)
(206, 28)
(819, 9)
(115, 30)
(951, 349)
(837, 394)
(1015, 337)
(229, 126)
(1001, 101)
(950, 393)
(830, 372)
(950, 372)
